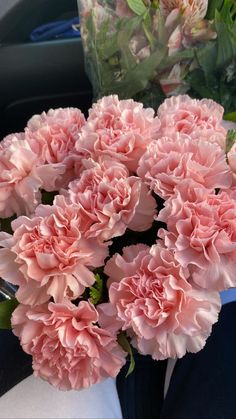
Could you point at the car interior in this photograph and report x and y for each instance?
(37, 76)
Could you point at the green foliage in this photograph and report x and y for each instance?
(151, 96)
(227, 8)
(225, 44)
(6, 309)
(230, 139)
(137, 6)
(137, 78)
(206, 57)
(226, 32)
(213, 85)
(124, 343)
(96, 291)
(213, 5)
(215, 75)
(127, 28)
(114, 68)
(230, 117)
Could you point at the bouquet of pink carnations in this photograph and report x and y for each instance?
(118, 232)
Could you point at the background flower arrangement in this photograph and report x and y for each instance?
(148, 49)
(121, 234)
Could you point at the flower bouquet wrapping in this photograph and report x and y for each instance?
(150, 49)
(117, 232)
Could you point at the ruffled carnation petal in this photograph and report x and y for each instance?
(110, 201)
(169, 161)
(121, 129)
(158, 307)
(50, 251)
(75, 354)
(19, 183)
(200, 119)
(52, 136)
(202, 233)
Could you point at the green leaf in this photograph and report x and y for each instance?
(212, 7)
(227, 11)
(161, 30)
(152, 97)
(147, 28)
(187, 54)
(226, 44)
(109, 47)
(230, 139)
(226, 33)
(137, 79)
(126, 30)
(137, 6)
(230, 116)
(124, 343)
(95, 292)
(6, 309)
(92, 57)
(155, 4)
(202, 86)
(206, 57)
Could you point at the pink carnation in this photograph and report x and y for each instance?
(185, 191)
(201, 119)
(161, 311)
(110, 200)
(48, 256)
(231, 192)
(121, 129)
(19, 181)
(168, 161)
(69, 350)
(52, 136)
(202, 233)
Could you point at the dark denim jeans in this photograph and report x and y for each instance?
(202, 386)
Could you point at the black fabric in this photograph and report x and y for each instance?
(203, 385)
(15, 365)
(141, 393)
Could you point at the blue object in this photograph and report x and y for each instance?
(228, 296)
(56, 30)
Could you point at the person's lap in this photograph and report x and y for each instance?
(202, 385)
(24, 396)
(35, 398)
